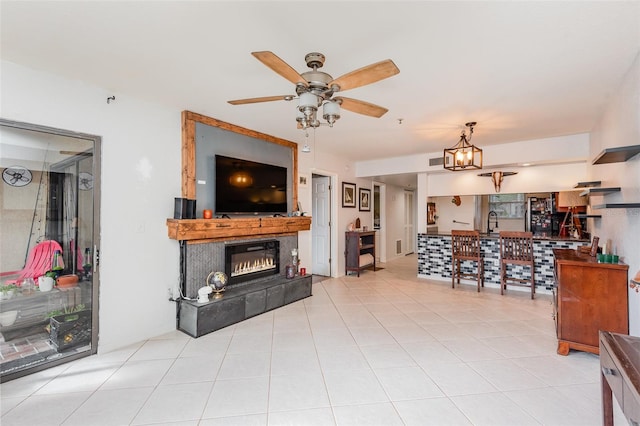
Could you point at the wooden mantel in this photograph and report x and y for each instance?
(222, 229)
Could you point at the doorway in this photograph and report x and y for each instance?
(379, 220)
(409, 234)
(49, 264)
(321, 228)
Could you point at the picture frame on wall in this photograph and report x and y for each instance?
(348, 194)
(302, 180)
(365, 199)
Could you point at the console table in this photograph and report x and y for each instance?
(620, 376)
(589, 296)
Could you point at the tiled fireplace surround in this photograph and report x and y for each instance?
(241, 300)
(202, 258)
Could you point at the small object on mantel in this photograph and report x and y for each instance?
(635, 282)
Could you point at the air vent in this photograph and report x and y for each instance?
(398, 246)
(438, 161)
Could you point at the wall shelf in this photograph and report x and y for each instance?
(617, 206)
(588, 184)
(587, 216)
(599, 191)
(617, 155)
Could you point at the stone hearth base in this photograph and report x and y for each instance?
(239, 303)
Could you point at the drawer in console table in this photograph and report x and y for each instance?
(620, 376)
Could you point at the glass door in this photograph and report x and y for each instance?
(49, 271)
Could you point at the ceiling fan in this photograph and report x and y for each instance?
(316, 88)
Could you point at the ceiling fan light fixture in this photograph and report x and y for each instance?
(314, 87)
(463, 155)
(331, 112)
(308, 104)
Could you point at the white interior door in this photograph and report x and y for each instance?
(321, 229)
(409, 234)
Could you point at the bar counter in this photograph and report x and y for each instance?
(434, 259)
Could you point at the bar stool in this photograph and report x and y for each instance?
(465, 245)
(516, 248)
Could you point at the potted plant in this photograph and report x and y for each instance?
(69, 327)
(47, 281)
(7, 291)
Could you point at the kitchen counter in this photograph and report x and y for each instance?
(434, 259)
(496, 235)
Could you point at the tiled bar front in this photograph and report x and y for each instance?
(434, 259)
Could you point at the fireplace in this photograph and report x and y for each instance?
(248, 261)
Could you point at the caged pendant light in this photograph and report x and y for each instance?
(463, 155)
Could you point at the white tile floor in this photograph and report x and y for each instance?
(386, 348)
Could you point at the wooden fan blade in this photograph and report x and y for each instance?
(366, 75)
(280, 66)
(262, 99)
(361, 107)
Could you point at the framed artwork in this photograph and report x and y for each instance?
(302, 180)
(431, 213)
(365, 199)
(348, 194)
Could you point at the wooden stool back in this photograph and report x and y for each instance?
(465, 245)
(516, 248)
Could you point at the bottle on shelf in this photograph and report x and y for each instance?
(86, 262)
(57, 264)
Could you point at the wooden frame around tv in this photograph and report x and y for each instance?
(189, 120)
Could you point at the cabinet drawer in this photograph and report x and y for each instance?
(611, 373)
(631, 405)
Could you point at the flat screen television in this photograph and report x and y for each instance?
(249, 187)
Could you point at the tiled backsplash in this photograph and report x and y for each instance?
(434, 259)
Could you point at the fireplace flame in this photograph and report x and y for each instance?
(248, 267)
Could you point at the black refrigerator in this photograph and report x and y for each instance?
(541, 217)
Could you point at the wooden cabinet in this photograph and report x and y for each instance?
(360, 251)
(589, 297)
(620, 376)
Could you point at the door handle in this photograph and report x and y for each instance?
(608, 371)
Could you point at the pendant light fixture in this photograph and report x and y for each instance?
(463, 155)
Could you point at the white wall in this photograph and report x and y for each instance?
(140, 176)
(549, 178)
(328, 164)
(447, 212)
(566, 149)
(572, 151)
(620, 126)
